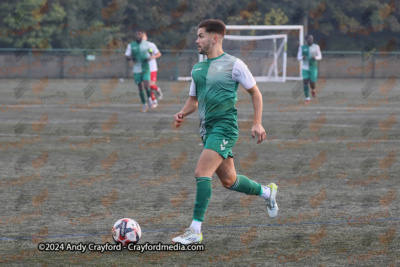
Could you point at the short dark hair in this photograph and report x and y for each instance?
(213, 25)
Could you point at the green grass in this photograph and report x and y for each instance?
(79, 192)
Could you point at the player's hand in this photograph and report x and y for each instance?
(258, 130)
(178, 119)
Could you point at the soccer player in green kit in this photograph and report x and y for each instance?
(309, 54)
(213, 92)
(139, 51)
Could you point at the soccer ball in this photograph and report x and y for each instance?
(126, 231)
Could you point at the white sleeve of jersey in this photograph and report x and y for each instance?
(299, 54)
(242, 75)
(128, 51)
(192, 91)
(154, 47)
(319, 55)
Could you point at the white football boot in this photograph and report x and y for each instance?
(272, 206)
(189, 237)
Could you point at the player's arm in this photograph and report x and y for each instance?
(257, 128)
(128, 53)
(319, 54)
(242, 74)
(155, 56)
(190, 106)
(300, 54)
(156, 53)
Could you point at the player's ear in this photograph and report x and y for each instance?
(215, 38)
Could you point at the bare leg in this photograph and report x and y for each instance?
(312, 85)
(226, 172)
(208, 163)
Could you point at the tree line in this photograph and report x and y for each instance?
(100, 24)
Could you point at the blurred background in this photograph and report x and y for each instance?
(64, 35)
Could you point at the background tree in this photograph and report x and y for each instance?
(339, 25)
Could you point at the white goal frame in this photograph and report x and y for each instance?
(274, 67)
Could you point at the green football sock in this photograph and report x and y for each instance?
(142, 97)
(247, 186)
(148, 92)
(306, 91)
(203, 197)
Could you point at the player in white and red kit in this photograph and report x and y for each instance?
(153, 71)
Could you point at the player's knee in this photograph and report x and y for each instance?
(227, 184)
(305, 81)
(201, 173)
(312, 85)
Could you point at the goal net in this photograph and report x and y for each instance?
(265, 56)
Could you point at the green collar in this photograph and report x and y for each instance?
(210, 59)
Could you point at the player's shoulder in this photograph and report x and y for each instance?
(229, 57)
(147, 43)
(200, 64)
(151, 44)
(237, 62)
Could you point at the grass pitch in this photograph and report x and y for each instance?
(77, 156)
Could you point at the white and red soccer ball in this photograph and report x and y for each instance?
(126, 231)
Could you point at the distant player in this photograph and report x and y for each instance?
(213, 92)
(139, 51)
(309, 53)
(153, 70)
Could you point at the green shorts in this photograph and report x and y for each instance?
(140, 77)
(311, 74)
(221, 142)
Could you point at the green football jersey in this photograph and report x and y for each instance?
(309, 52)
(141, 54)
(215, 82)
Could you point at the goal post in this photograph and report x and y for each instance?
(286, 67)
(265, 56)
(296, 34)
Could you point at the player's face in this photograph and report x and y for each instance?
(138, 36)
(310, 40)
(204, 41)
